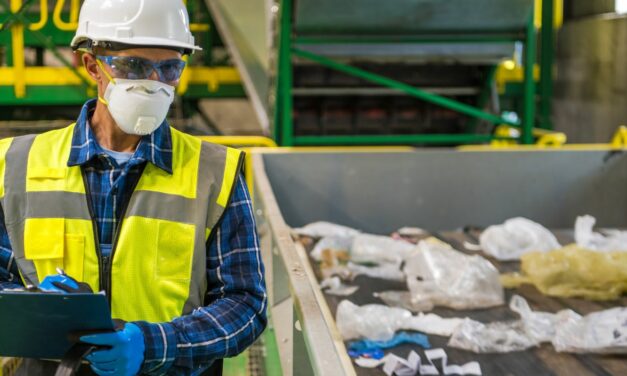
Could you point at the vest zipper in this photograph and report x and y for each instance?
(95, 230)
(114, 244)
(104, 266)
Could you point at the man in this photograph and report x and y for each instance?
(159, 220)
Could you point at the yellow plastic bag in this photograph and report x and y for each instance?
(573, 272)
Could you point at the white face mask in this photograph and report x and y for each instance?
(138, 106)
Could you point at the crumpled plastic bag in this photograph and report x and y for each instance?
(322, 229)
(495, 337)
(334, 286)
(379, 323)
(573, 272)
(334, 245)
(598, 332)
(586, 238)
(375, 249)
(445, 277)
(506, 336)
(539, 326)
(390, 272)
(373, 321)
(516, 237)
(402, 299)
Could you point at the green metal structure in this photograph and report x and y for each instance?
(34, 25)
(431, 32)
(273, 42)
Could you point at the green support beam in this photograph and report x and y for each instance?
(284, 92)
(529, 102)
(547, 54)
(408, 89)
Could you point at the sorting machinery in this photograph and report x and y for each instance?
(441, 191)
(323, 72)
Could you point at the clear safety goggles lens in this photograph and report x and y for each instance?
(137, 68)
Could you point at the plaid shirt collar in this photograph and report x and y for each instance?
(155, 148)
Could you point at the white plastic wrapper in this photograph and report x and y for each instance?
(391, 272)
(322, 229)
(413, 365)
(379, 323)
(334, 286)
(373, 321)
(616, 241)
(598, 332)
(516, 237)
(506, 336)
(402, 299)
(539, 326)
(496, 337)
(367, 248)
(445, 277)
(332, 243)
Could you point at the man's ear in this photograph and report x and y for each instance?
(89, 62)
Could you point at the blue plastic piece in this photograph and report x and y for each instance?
(365, 347)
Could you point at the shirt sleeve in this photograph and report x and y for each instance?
(235, 314)
(9, 274)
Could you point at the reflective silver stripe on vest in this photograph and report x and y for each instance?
(15, 204)
(50, 203)
(212, 157)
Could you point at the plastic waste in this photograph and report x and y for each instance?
(373, 321)
(598, 332)
(375, 249)
(368, 347)
(334, 286)
(516, 237)
(389, 272)
(506, 336)
(413, 365)
(322, 229)
(379, 323)
(402, 299)
(335, 245)
(586, 238)
(573, 272)
(445, 277)
(496, 337)
(539, 326)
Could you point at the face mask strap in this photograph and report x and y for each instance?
(105, 71)
(111, 80)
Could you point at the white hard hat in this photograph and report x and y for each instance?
(119, 24)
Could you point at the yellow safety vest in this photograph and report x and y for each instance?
(158, 266)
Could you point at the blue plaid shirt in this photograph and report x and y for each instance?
(236, 298)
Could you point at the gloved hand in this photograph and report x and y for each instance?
(125, 356)
(64, 284)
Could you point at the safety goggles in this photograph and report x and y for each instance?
(138, 68)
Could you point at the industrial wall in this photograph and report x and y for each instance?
(591, 81)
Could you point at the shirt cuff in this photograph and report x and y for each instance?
(160, 342)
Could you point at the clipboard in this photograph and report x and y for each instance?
(45, 325)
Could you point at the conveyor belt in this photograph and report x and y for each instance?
(538, 361)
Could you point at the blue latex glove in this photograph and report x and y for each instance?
(125, 356)
(51, 283)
